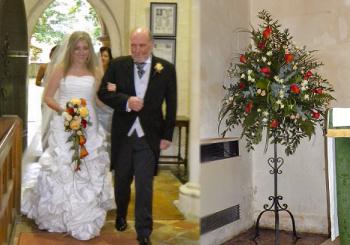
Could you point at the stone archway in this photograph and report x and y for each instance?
(101, 7)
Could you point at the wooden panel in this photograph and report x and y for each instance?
(10, 174)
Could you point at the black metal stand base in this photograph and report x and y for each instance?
(275, 163)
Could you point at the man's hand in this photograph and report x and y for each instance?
(111, 87)
(164, 144)
(135, 103)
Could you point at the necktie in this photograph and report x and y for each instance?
(140, 70)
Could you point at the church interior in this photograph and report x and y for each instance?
(213, 189)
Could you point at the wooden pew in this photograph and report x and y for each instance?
(10, 174)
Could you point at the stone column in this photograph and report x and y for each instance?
(189, 196)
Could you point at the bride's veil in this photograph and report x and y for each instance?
(57, 59)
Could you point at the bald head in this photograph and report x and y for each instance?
(141, 42)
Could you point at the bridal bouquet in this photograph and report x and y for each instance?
(275, 87)
(76, 119)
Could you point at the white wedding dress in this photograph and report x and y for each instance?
(53, 194)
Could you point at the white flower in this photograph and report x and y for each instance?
(269, 63)
(263, 93)
(306, 97)
(258, 110)
(243, 75)
(67, 116)
(304, 83)
(79, 132)
(281, 94)
(269, 53)
(265, 120)
(264, 58)
(250, 72)
(265, 113)
(250, 78)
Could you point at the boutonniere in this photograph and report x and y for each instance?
(158, 67)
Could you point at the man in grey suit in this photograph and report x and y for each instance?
(139, 128)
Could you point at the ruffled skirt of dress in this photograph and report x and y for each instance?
(60, 199)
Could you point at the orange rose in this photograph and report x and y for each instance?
(83, 101)
(83, 152)
(82, 140)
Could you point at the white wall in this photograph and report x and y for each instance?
(227, 182)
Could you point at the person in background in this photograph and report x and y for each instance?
(42, 69)
(140, 129)
(106, 57)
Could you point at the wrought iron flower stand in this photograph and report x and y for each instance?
(276, 163)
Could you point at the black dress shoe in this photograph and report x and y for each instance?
(120, 224)
(145, 241)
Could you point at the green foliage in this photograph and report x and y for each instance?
(275, 87)
(54, 24)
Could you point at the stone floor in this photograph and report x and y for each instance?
(169, 229)
(166, 232)
(267, 237)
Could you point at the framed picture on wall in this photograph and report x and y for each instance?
(165, 48)
(163, 19)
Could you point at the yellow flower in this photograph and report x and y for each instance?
(75, 124)
(158, 67)
(75, 101)
(83, 111)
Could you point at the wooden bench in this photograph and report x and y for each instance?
(10, 174)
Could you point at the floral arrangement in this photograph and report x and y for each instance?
(275, 86)
(76, 119)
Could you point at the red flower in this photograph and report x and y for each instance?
(307, 75)
(315, 114)
(83, 123)
(70, 111)
(294, 88)
(266, 70)
(249, 106)
(318, 91)
(267, 32)
(274, 123)
(261, 45)
(241, 85)
(288, 58)
(242, 58)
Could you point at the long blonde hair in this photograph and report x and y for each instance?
(74, 38)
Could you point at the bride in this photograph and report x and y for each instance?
(62, 197)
